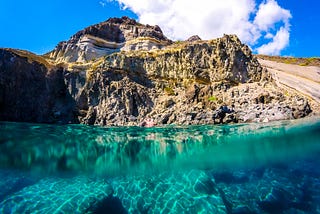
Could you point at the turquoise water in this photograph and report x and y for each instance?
(243, 168)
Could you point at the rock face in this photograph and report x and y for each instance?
(107, 37)
(31, 91)
(190, 82)
(194, 38)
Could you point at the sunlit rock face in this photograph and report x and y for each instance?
(120, 72)
(222, 59)
(113, 35)
(197, 82)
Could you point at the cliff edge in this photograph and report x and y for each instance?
(120, 72)
(113, 35)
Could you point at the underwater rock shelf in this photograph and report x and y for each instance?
(247, 168)
(275, 189)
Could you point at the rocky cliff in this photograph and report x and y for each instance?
(138, 73)
(107, 37)
(32, 90)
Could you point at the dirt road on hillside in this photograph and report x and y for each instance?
(304, 79)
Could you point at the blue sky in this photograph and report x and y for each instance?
(283, 27)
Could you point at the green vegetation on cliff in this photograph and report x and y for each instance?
(311, 61)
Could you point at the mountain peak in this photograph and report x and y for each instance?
(112, 35)
(121, 20)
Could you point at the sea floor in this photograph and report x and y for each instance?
(246, 170)
(293, 188)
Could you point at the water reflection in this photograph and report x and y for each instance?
(125, 150)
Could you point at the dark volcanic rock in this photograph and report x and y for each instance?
(203, 82)
(110, 205)
(32, 92)
(121, 30)
(194, 38)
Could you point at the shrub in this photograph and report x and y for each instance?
(212, 99)
(169, 91)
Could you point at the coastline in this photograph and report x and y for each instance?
(190, 82)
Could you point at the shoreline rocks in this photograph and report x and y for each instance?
(184, 83)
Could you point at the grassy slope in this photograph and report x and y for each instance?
(312, 61)
(31, 56)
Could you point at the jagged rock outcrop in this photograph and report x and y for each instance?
(194, 38)
(223, 59)
(201, 82)
(113, 35)
(31, 91)
(188, 83)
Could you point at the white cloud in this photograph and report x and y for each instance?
(180, 19)
(278, 43)
(269, 36)
(102, 3)
(270, 13)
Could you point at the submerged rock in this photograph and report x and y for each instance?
(191, 192)
(110, 205)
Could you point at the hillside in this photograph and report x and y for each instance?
(306, 61)
(120, 72)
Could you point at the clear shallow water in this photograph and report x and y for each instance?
(247, 168)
